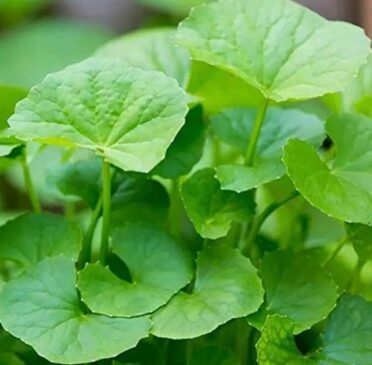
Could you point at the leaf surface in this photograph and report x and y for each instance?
(342, 189)
(226, 287)
(242, 37)
(211, 209)
(127, 115)
(234, 127)
(66, 334)
(159, 267)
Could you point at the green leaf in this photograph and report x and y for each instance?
(211, 209)
(213, 355)
(158, 266)
(152, 50)
(30, 52)
(187, 148)
(179, 7)
(234, 126)
(341, 190)
(348, 333)
(205, 84)
(139, 199)
(296, 287)
(361, 238)
(42, 308)
(80, 178)
(226, 287)
(277, 346)
(127, 115)
(275, 46)
(29, 239)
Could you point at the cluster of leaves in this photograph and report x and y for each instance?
(216, 180)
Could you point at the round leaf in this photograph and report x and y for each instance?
(159, 267)
(297, 288)
(211, 209)
(341, 191)
(127, 115)
(275, 46)
(226, 287)
(234, 126)
(42, 308)
(153, 50)
(30, 238)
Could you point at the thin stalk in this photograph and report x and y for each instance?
(106, 205)
(355, 279)
(252, 145)
(260, 219)
(34, 199)
(335, 253)
(85, 255)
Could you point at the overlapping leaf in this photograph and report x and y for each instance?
(30, 238)
(153, 50)
(211, 209)
(275, 46)
(290, 281)
(159, 267)
(66, 334)
(342, 189)
(234, 126)
(127, 115)
(226, 287)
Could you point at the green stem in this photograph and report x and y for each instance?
(85, 255)
(35, 202)
(335, 253)
(260, 219)
(106, 205)
(249, 156)
(354, 282)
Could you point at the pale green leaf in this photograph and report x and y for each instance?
(29, 239)
(32, 51)
(361, 238)
(296, 287)
(211, 209)
(277, 346)
(158, 266)
(187, 148)
(234, 126)
(275, 46)
(226, 287)
(152, 50)
(348, 333)
(342, 189)
(127, 115)
(42, 308)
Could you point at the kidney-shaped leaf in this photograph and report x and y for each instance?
(291, 281)
(42, 308)
(211, 209)
(159, 267)
(342, 191)
(226, 287)
(275, 46)
(31, 238)
(234, 126)
(153, 50)
(127, 115)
